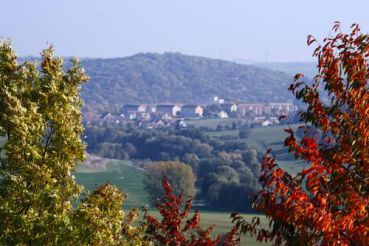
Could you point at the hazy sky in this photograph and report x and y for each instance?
(256, 30)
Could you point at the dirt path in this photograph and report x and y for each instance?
(99, 163)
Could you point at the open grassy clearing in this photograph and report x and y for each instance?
(119, 173)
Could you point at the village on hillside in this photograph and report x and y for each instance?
(175, 114)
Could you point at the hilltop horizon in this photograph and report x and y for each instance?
(289, 67)
(243, 61)
(174, 77)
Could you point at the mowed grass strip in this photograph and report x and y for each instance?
(119, 173)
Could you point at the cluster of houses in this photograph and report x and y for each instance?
(166, 111)
(169, 114)
(224, 110)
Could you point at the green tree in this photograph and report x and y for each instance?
(243, 134)
(40, 122)
(178, 174)
(103, 221)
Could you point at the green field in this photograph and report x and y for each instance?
(273, 137)
(262, 138)
(212, 123)
(120, 173)
(223, 224)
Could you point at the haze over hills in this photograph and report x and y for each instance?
(174, 77)
(307, 68)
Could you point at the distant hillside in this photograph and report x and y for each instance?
(307, 68)
(173, 77)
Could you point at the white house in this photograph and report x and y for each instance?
(223, 114)
(266, 123)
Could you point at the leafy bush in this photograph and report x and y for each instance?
(178, 174)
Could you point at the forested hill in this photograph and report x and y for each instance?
(173, 77)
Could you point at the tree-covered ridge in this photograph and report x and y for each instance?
(174, 77)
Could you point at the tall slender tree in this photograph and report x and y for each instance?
(40, 120)
(40, 125)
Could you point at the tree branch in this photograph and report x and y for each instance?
(47, 143)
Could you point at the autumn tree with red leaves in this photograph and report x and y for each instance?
(171, 229)
(326, 203)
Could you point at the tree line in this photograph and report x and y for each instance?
(221, 167)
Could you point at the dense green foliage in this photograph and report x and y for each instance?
(101, 221)
(173, 77)
(40, 120)
(224, 168)
(179, 175)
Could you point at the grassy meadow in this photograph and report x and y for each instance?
(120, 173)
